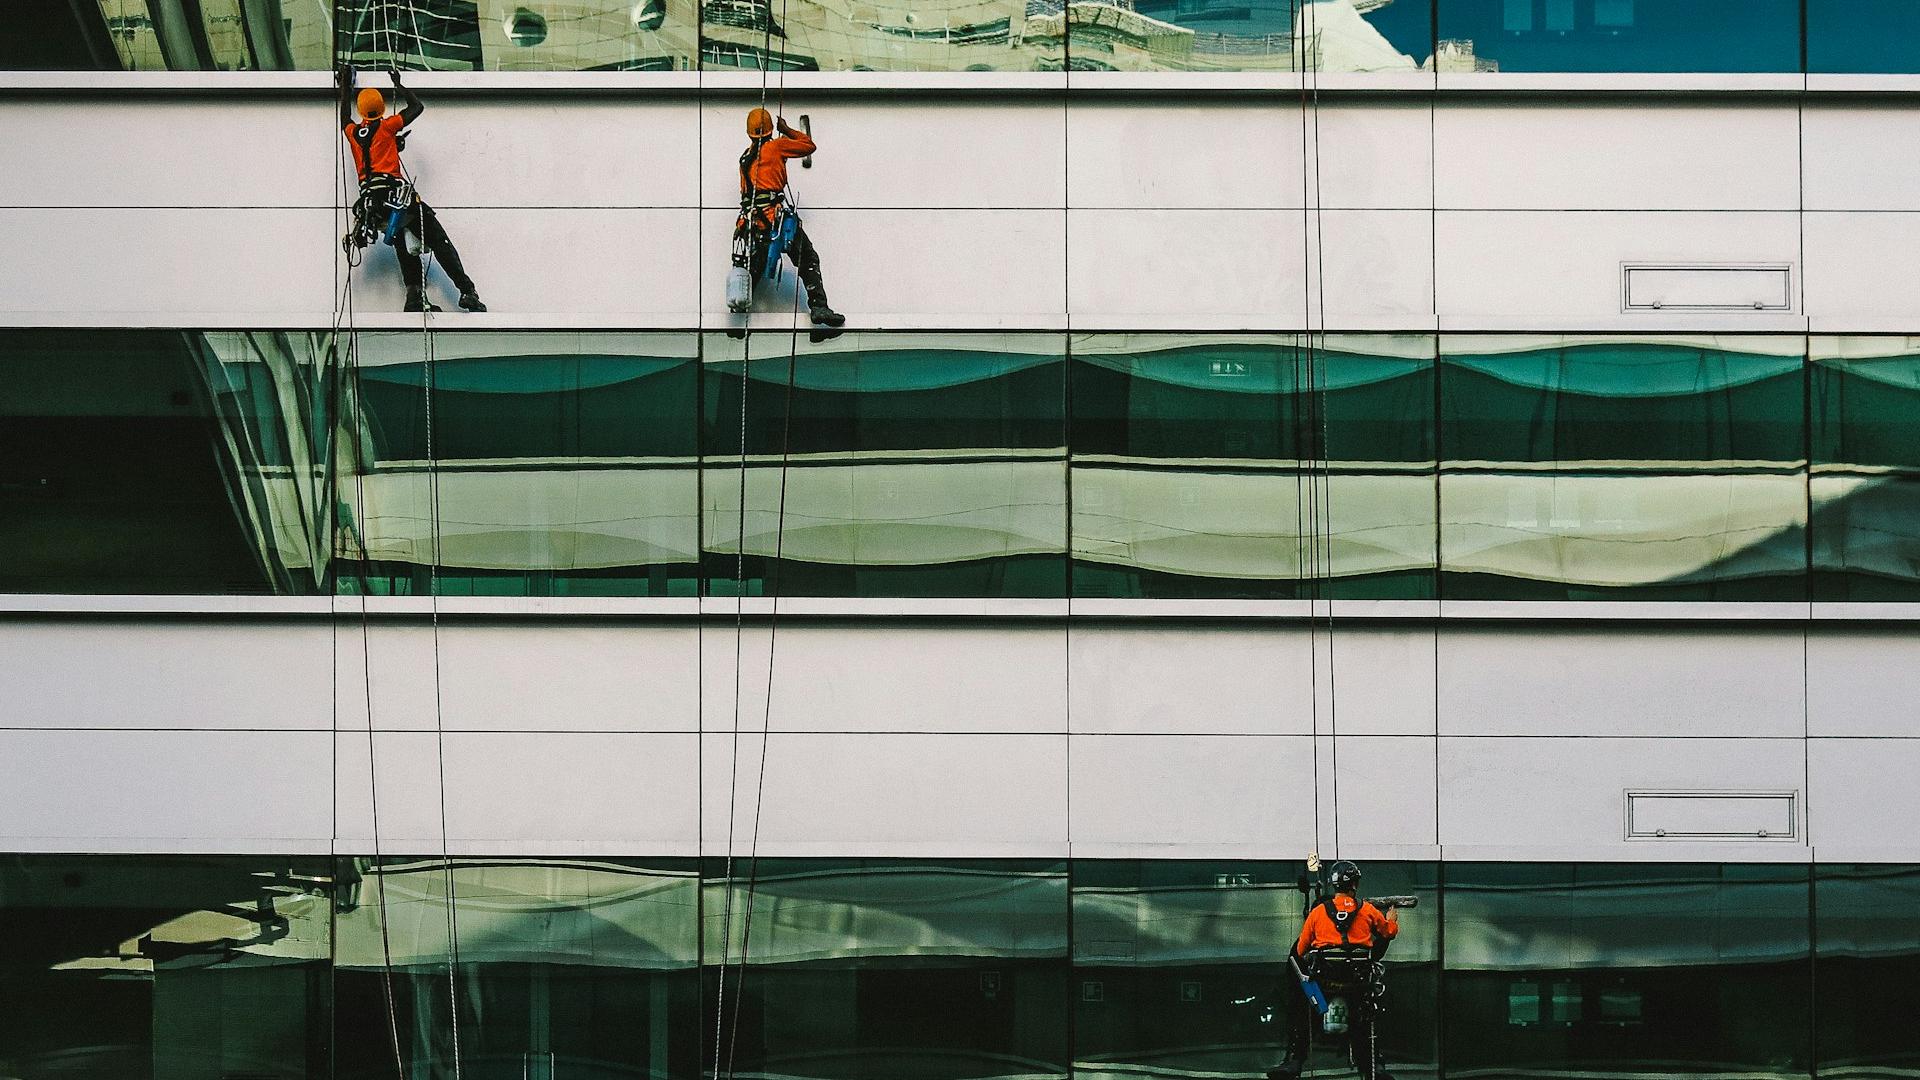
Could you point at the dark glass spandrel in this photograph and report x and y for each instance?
(164, 966)
(1685, 36)
(559, 967)
(560, 464)
(1262, 35)
(1866, 468)
(888, 969)
(1180, 967)
(1867, 959)
(1624, 468)
(1863, 37)
(1627, 969)
(1253, 466)
(886, 465)
(162, 462)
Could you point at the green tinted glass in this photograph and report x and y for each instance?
(1866, 468)
(1253, 466)
(886, 465)
(1868, 959)
(1624, 468)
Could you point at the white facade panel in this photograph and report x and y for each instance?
(199, 791)
(1863, 681)
(1566, 266)
(1861, 156)
(1553, 154)
(1387, 790)
(545, 152)
(871, 677)
(118, 265)
(1248, 268)
(1190, 679)
(521, 792)
(556, 264)
(1570, 792)
(887, 795)
(903, 153)
(1151, 153)
(1165, 796)
(518, 677)
(184, 675)
(1648, 681)
(168, 152)
(1861, 266)
(1863, 793)
(955, 268)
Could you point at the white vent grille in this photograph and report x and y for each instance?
(1713, 815)
(1706, 287)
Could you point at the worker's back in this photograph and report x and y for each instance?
(1344, 920)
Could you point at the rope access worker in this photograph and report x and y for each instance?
(1341, 932)
(768, 225)
(388, 204)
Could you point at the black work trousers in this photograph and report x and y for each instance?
(1302, 1022)
(806, 260)
(411, 270)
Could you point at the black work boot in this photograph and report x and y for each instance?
(417, 301)
(817, 308)
(1287, 1070)
(470, 301)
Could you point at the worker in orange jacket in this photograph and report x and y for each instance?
(1341, 919)
(767, 224)
(375, 138)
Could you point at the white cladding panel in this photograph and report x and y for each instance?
(1861, 266)
(1864, 681)
(1861, 156)
(1135, 796)
(1863, 794)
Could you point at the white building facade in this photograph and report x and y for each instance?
(1252, 437)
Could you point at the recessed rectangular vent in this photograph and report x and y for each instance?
(1704, 287)
(1713, 815)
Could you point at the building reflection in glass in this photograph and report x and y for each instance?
(886, 465)
(1866, 468)
(1253, 466)
(889, 969)
(1632, 468)
(1620, 35)
(560, 464)
(1258, 35)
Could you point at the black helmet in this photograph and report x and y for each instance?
(1344, 876)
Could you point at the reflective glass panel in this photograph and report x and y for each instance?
(1626, 969)
(1623, 468)
(1620, 35)
(889, 969)
(914, 465)
(160, 462)
(1868, 959)
(1197, 466)
(882, 35)
(1866, 468)
(1262, 35)
(1180, 967)
(1863, 36)
(560, 464)
(560, 968)
(163, 967)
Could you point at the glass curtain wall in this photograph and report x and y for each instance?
(1627, 468)
(560, 464)
(886, 465)
(1620, 35)
(1867, 961)
(1253, 466)
(1866, 468)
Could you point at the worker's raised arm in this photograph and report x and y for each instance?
(414, 105)
(792, 142)
(343, 79)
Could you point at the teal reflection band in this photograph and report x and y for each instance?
(1257, 369)
(1630, 370)
(526, 374)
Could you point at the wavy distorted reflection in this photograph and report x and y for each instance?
(1640, 468)
(894, 465)
(1249, 466)
(1866, 468)
(565, 464)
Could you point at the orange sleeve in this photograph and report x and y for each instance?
(797, 144)
(393, 124)
(1382, 925)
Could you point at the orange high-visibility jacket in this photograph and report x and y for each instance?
(1364, 924)
(768, 170)
(376, 146)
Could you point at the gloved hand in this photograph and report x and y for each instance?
(343, 77)
(780, 125)
(396, 76)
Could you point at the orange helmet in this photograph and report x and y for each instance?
(371, 103)
(759, 123)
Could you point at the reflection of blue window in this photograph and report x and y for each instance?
(1863, 36)
(1627, 35)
